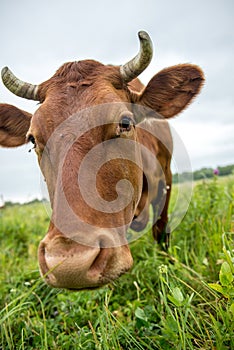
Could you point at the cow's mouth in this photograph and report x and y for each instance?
(67, 264)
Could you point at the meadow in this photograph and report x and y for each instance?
(182, 299)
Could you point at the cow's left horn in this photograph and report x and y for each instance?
(19, 87)
(138, 64)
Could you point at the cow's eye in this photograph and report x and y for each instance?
(125, 124)
(31, 139)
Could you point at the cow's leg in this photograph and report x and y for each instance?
(141, 216)
(140, 222)
(161, 231)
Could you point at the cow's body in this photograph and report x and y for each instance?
(155, 136)
(104, 148)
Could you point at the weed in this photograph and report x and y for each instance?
(183, 299)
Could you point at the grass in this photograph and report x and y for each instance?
(183, 299)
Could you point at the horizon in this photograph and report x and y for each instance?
(43, 197)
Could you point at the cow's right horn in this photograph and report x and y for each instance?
(138, 64)
(19, 87)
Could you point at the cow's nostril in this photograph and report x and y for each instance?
(116, 239)
(42, 261)
(101, 261)
(102, 243)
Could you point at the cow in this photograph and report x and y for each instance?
(104, 148)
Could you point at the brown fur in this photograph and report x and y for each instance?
(75, 87)
(14, 125)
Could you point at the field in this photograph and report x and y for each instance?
(183, 299)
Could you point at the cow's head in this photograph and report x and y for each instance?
(85, 137)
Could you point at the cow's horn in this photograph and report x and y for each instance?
(19, 87)
(138, 64)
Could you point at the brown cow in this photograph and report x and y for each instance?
(104, 148)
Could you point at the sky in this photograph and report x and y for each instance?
(38, 37)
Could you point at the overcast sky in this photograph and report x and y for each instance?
(37, 37)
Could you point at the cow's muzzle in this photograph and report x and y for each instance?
(65, 263)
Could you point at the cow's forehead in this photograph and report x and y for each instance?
(77, 86)
(85, 72)
(78, 70)
(79, 97)
(46, 125)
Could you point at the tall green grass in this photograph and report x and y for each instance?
(183, 299)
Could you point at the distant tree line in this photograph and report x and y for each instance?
(34, 201)
(204, 173)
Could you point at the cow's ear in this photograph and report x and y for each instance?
(172, 89)
(14, 124)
